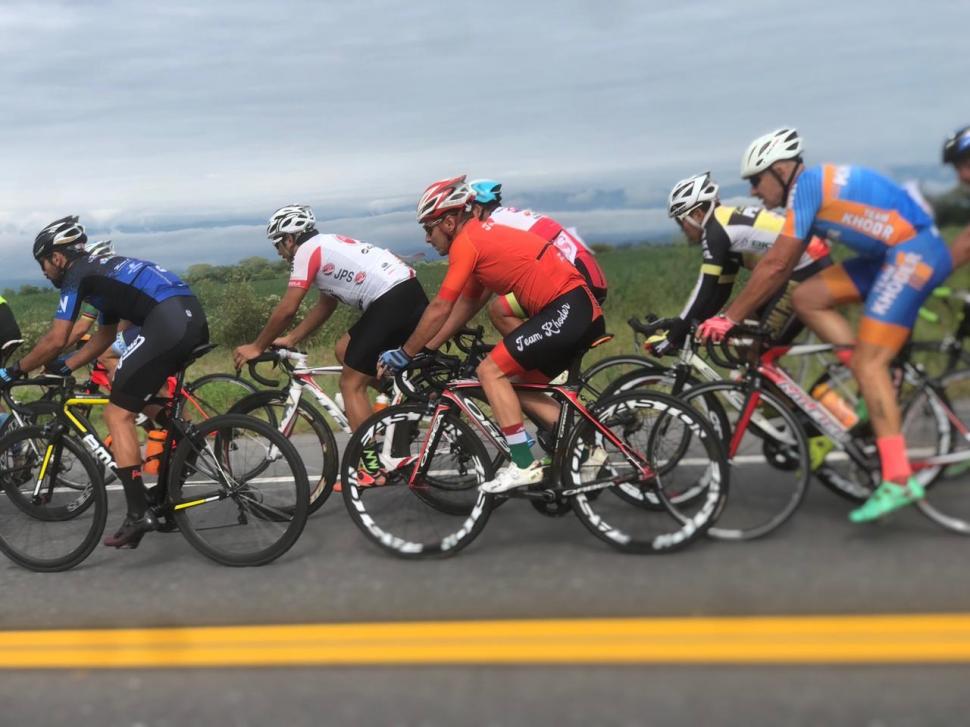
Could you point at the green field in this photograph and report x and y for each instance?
(646, 278)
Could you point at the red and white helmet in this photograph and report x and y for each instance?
(445, 195)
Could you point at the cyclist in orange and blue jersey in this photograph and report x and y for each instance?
(901, 259)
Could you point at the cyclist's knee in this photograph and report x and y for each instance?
(809, 297)
(114, 414)
(869, 360)
(353, 381)
(488, 370)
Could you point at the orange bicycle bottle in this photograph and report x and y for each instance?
(154, 447)
(837, 406)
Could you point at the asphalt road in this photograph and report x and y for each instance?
(523, 566)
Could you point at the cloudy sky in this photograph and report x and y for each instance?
(177, 127)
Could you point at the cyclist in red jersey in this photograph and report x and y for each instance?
(565, 318)
(505, 312)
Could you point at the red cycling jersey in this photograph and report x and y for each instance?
(503, 259)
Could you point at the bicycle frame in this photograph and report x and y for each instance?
(68, 419)
(455, 396)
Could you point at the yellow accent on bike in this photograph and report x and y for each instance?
(43, 466)
(193, 503)
(78, 401)
(709, 269)
(818, 449)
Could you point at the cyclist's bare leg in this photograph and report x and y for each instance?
(540, 408)
(870, 366)
(815, 305)
(124, 438)
(353, 386)
(504, 320)
(500, 394)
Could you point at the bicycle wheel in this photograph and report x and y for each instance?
(435, 512)
(956, 391)
(214, 394)
(662, 381)
(308, 432)
(929, 430)
(770, 467)
(48, 521)
(595, 379)
(834, 468)
(238, 490)
(652, 427)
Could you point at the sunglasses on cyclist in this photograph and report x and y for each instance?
(755, 179)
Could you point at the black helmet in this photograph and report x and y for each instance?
(65, 232)
(957, 146)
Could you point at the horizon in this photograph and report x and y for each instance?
(180, 153)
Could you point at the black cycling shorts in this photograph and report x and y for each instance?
(387, 323)
(171, 331)
(551, 339)
(9, 330)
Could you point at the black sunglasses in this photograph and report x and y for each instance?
(755, 179)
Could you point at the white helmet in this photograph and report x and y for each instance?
(764, 151)
(100, 248)
(690, 193)
(443, 196)
(290, 220)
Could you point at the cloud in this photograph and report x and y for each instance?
(160, 119)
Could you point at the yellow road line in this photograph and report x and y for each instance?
(918, 638)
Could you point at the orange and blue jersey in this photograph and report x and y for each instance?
(901, 254)
(856, 206)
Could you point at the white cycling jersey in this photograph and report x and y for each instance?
(351, 271)
(566, 241)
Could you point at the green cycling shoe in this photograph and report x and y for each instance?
(888, 497)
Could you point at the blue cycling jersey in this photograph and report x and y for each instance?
(118, 287)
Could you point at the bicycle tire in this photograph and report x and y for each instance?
(32, 523)
(322, 467)
(634, 529)
(215, 394)
(928, 430)
(591, 388)
(439, 514)
(211, 502)
(784, 448)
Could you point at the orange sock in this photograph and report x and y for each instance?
(892, 457)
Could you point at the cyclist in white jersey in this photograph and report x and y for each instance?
(347, 271)
(504, 311)
(731, 237)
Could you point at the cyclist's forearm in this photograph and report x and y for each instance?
(463, 311)
(315, 317)
(47, 347)
(99, 343)
(276, 324)
(769, 275)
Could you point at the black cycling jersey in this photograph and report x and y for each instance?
(119, 287)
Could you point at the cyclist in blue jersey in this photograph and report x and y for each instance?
(901, 258)
(172, 326)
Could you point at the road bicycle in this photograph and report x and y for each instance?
(233, 486)
(287, 404)
(633, 448)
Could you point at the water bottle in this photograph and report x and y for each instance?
(381, 402)
(836, 404)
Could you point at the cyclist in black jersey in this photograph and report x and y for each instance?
(732, 238)
(172, 325)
